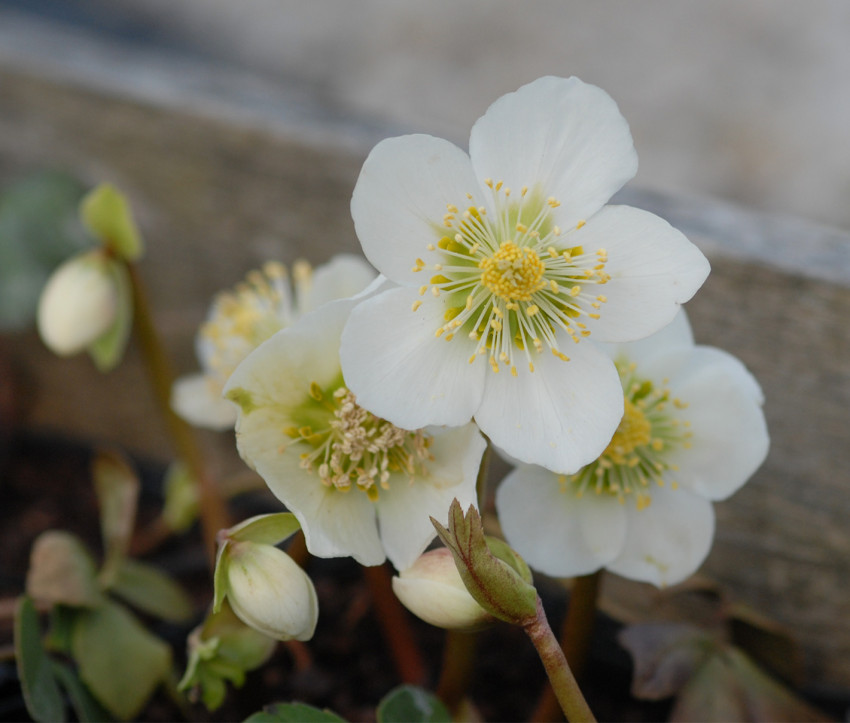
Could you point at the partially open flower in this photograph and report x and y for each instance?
(359, 485)
(693, 431)
(79, 303)
(239, 320)
(511, 268)
(267, 590)
(433, 590)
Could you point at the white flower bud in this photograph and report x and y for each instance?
(269, 591)
(79, 303)
(432, 589)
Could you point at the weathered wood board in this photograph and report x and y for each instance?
(216, 197)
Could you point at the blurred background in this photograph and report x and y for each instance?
(746, 101)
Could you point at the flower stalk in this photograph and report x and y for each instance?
(563, 681)
(213, 511)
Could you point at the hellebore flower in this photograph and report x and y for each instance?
(342, 471)
(433, 590)
(240, 320)
(693, 431)
(508, 260)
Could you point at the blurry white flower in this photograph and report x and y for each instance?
(508, 261)
(693, 431)
(359, 485)
(79, 303)
(433, 590)
(241, 319)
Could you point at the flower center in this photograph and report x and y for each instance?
(245, 317)
(513, 273)
(355, 449)
(512, 280)
(638, 455)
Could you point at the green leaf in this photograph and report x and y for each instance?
(270, 529)
(152, 591)
(293, 713)
(494, 584)
(106, 213)
(38, 684)
(117, 488)
(39, 229)
(108, 350)
(181, 498)
(85, 706)
(409, 704)
(62, 571)
(60, 628)
(120, 661)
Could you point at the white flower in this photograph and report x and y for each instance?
(79, 303)
(433, 590)
(693, 431)
(509, 255)
(241, 319)
(267, 590)
(342, 471)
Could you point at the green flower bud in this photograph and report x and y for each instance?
(433, 590)
(79, 303)
(266, 589)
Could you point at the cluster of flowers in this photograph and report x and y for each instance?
(512, 302)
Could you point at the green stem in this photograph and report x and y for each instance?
(457, 668)
(213, 511)
(563, 682)
(575, 638)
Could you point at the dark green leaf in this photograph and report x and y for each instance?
(409, 704)
(85, 706)
(108, 350)
(41, 692)
(152, 591)
(120, 661)
(293, 713)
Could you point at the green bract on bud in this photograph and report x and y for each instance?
(495, 575)
(79, 303)
(433, 590)
(265, 587)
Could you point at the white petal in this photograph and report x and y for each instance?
(405, 509)
(400, 371)
(401, 197)
(554, 531)
(562, 415)
(677, 335)
(667, 541)
(197, 399)
(563, 135)
(730, 439)
(278, 373)
(653, 269)
(343, 276)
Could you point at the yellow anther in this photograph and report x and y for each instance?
(513, 371)
(439, 332)
(560, 355)
(422, 290)
(552, 252)
(521, 227)
(524, 191)
(602, 299)
(451, 208)
(575, 291)
(580, 224)
(435, 291)
(316, 392)
(416, 305)
(532, 310)
(553, 203)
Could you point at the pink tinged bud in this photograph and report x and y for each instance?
(79, 304)
(269, 591)
(433, 590)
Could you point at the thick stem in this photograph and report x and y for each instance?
(395, 625)
(457, 668)
(576, 635)
(563, 683)
(213, 511)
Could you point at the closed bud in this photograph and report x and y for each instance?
(79, 303)
(433, 590)
(267, 590)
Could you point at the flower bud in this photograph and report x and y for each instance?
(432, 589)
(79, 303)
(267, 590)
